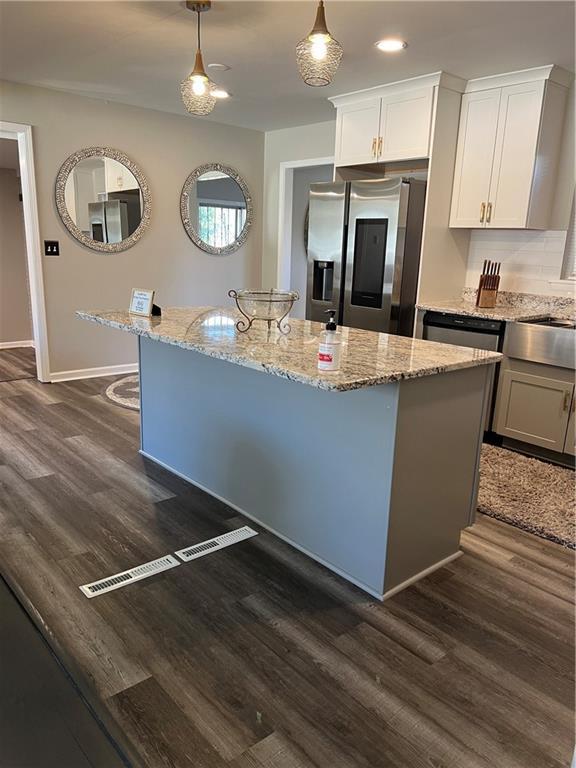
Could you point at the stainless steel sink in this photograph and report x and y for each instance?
(551, 341)
(553, 322)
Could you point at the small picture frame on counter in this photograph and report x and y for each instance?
(142, 303)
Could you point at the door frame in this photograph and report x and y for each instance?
(23, 135)
(286, 181)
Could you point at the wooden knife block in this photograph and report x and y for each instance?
(486, 297)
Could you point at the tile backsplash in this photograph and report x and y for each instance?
(530, 259)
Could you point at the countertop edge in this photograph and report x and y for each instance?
(271, 369)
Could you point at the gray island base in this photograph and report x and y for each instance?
(373, 480)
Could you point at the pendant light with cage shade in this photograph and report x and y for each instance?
(318, 55)
(197, 89)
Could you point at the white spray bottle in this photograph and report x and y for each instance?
(330, 345)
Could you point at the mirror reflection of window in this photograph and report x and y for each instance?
(103, 199)
(219, 210)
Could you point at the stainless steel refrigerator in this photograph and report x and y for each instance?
(364, 241)
(108, 221)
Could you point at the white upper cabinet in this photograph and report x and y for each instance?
(508, 152)
(405, 120)
(385, 124)
(357, 127)
(476, 141)
(118, 177)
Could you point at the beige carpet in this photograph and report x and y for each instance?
(531, 494)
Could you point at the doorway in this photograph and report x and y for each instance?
(17, 356)
(295, 179)
(23, 337)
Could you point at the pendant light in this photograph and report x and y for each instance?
(197, 89)
(318, 55)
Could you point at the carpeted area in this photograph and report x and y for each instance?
(528, 493)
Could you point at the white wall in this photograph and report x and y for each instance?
(531, 261)
(15, 322)
(167, 147)
(302, 179)
(301, 143)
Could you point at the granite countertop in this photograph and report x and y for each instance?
(511, 306)
(368, 358)
(507, 313)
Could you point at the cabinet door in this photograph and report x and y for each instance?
(474, 157)
(405, 121)
(515, 155)
(533, 409)
(357, 132)
(570, 443)
(118, 177)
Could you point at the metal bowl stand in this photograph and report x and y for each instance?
(244, 325)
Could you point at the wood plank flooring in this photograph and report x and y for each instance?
(44, 722)
(18, 363)
(254, 656)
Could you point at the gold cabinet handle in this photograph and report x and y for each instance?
(567, 401)
(379, 146)
(482, 212)
(489, 213)
(374, 140)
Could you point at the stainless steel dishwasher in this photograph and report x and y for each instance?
(467, 331)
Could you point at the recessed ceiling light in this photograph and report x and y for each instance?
(220, 93)
(391, 45)
(219, 67)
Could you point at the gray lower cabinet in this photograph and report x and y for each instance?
(570, 444)
(535, 409)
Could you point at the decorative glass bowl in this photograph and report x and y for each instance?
(272, 306)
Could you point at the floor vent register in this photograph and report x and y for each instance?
(145, 570)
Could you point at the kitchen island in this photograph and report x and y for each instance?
(371, 470)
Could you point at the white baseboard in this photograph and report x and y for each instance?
(16, 344)
(93, 373)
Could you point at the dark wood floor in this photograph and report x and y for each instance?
(18, 363)
(44, 723)
(254, 656)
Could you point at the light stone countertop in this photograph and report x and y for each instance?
(511, 306)
(368, 358)
(463, 307)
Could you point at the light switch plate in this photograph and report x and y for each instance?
(51, 248)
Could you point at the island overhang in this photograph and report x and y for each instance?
(368, 358)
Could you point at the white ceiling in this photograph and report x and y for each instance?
(9, 154)
(137, 52)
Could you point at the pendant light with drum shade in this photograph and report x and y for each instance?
(318, 55)
(197, 89)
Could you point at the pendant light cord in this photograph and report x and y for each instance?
(198, 14)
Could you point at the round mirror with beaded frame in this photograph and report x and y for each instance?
(132, 234)
(189, 195)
